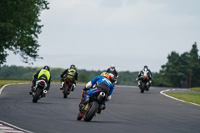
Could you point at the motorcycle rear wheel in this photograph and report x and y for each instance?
(65, 91)
(93, 109)
(36, 97)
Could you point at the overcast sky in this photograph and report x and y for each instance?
(93, 34)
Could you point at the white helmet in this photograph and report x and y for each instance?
(112, 66)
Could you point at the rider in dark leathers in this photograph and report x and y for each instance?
(72, 71)
(112, 70)
(149, 75)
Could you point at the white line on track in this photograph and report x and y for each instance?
(9, 128)
(1, 89)
(162, 92)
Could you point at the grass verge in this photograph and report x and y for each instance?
(9, 81)
(188, 97)
(195, 89)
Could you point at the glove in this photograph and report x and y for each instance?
(103, 107)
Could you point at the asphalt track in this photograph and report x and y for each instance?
(129, 111)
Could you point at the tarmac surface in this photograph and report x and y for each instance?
(129, 111)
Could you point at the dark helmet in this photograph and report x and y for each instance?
(72, 66)
(145, 67)
(47, 68)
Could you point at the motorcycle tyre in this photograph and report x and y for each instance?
(142, 87)
(65, 91)
(37, 95)
(93, 109)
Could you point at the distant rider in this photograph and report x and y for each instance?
(71, 72)
(43, 73)
(101, 81)
(112, 70)
(149, 75)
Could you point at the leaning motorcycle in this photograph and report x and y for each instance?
(67, 86)
(143, 82)
(39, 90)
(93, 105)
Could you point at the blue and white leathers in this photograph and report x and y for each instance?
(99, 79)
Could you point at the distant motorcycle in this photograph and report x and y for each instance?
(67, 87)
(39, 90)
(143, 83)
(93, 105)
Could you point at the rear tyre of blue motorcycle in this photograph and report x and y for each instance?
(93, 109)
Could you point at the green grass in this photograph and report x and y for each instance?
(9, 81)
(195, 89)
(189, 97)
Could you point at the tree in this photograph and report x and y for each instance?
(171, 71)
(190, 65)
(183, 70)
(19, 28)
(194, 65)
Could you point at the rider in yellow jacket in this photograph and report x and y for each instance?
(44, 73)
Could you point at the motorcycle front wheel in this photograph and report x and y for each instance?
(142, 88)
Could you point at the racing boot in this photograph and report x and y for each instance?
(32, 90)
(139, 82)
(61, 86)
(101, 107)
(87, 98)
(73, 87)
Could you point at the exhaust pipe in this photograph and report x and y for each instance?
(45, 91)
(101, 96)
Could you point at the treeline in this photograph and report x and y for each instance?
(20, 72)
(181, 70)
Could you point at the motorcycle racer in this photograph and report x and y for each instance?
(112, 70)
(104, 81)
(72, 74)
(42, 73)
(146, 72)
